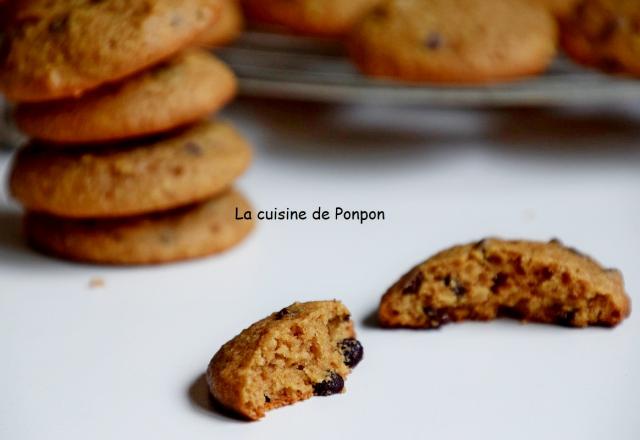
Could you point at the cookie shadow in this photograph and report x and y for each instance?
(371, 321)
(203, 402)
(14, 249)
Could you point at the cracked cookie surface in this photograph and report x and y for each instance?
(525, 280)
(303, 350)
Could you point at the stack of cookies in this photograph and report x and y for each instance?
(124, 166)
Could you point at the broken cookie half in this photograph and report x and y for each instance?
(303, 350)
(525, 280)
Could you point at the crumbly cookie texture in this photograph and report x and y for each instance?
(182, 90)
(145, 176)
(330, 18)
(604, 34)
(303, 350)
(226, 29)
(55, 49)
(454, 41)
(530, 281)
(189, 232)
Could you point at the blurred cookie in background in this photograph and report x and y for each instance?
(226, 29)
(182, 90)
(454, 41)
(604, 34)
(60, 49)
(329, 18)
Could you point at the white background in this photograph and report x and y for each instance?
(125, 360)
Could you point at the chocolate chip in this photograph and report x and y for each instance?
(267, 399)
(413, 285)
(300, 367)
(176, 20)
(510, 312)
(5, 47)
(434, 41)
(498, 281)
(193, 148)
(436, 317)
(379, 13)
(610, 65)
(165, 237)
(58, 24)
(352, 351)
(331, 385)
(545, 274)
(609, 29)
(566, 318)
(517, 265)
(455, 285)
(282, 313)
(479, 244)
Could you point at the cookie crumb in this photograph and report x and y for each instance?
(96, 282)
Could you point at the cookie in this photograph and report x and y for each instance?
(227, 29)
(530, 281)
(303, 350)
(184, 89)
(56, 49)
(191, 165)
(329, 18)
(184, 233)
(559, 8)
(604, 34)
(454, 41)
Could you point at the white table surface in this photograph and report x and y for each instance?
(126, 360)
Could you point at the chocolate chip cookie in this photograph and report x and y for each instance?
(56, 49)
(529, 281)
(184, 233)
(143, 176)
(303, 350)
(180, 91)
(604, 34)
(454, 41)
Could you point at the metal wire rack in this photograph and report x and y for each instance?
(310, 69)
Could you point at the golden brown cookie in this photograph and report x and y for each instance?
(314, 17)
(184, 89)
(226, 29)
(191, 165)
(303, 350)
(604, 34)
(454, 41)
(184, 233)
(56, 49)
(530, 281)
